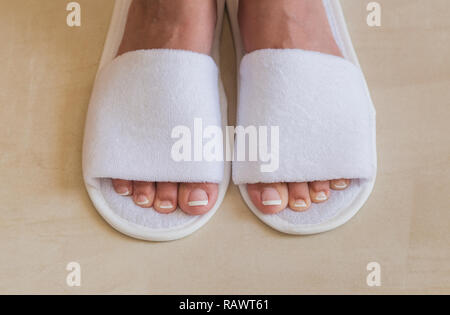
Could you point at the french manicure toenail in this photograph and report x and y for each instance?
(340, 185)
(321, 196)
(142, 200)
(124, 192)
(166, 205)
(270, 197)
(300, 204)
(198, 198)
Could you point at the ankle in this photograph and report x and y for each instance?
(175, 24)
(286, 24)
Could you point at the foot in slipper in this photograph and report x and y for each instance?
(158, 75)
(299, 74)
(288, 24)
(170, 24)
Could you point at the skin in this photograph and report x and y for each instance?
(264, 24)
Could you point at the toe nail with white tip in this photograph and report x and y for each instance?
(198, 198)
(165, 205)
(340, 185)
(300, 204)
(321, 196)
(270, 197)
(142, 200)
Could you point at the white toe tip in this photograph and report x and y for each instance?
(321, 196)
(143, 201)
(272, 203)
(300, 204)
(199, 203)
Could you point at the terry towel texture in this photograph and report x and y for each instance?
(320, 104)
(137, 101)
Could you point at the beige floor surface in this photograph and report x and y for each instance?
(47, 219)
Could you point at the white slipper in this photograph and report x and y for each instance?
(326, 121)
(138, 99)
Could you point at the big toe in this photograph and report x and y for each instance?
(269, 198)
(197, 198)
(166, 197)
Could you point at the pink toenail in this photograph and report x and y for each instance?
(166, 205)
(340, 184)
(142, 200)
(321, 196)
(123, 191)
(270, 197)
(300, 204)
(197, 198)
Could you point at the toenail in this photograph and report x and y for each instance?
(123, 191)
(142, 200)
(270, 197)
(198, 198)
(166, 205)
(340, 184)
(321, 196)
(300, 204)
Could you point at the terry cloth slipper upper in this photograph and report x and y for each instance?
(326, 120)
(138, 99)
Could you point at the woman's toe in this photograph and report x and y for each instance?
(197, 198)
(299, 199)
(123, 187)
(166, 197)
(269, 198)
(340, 184)
(143, 194)
(319, 191)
